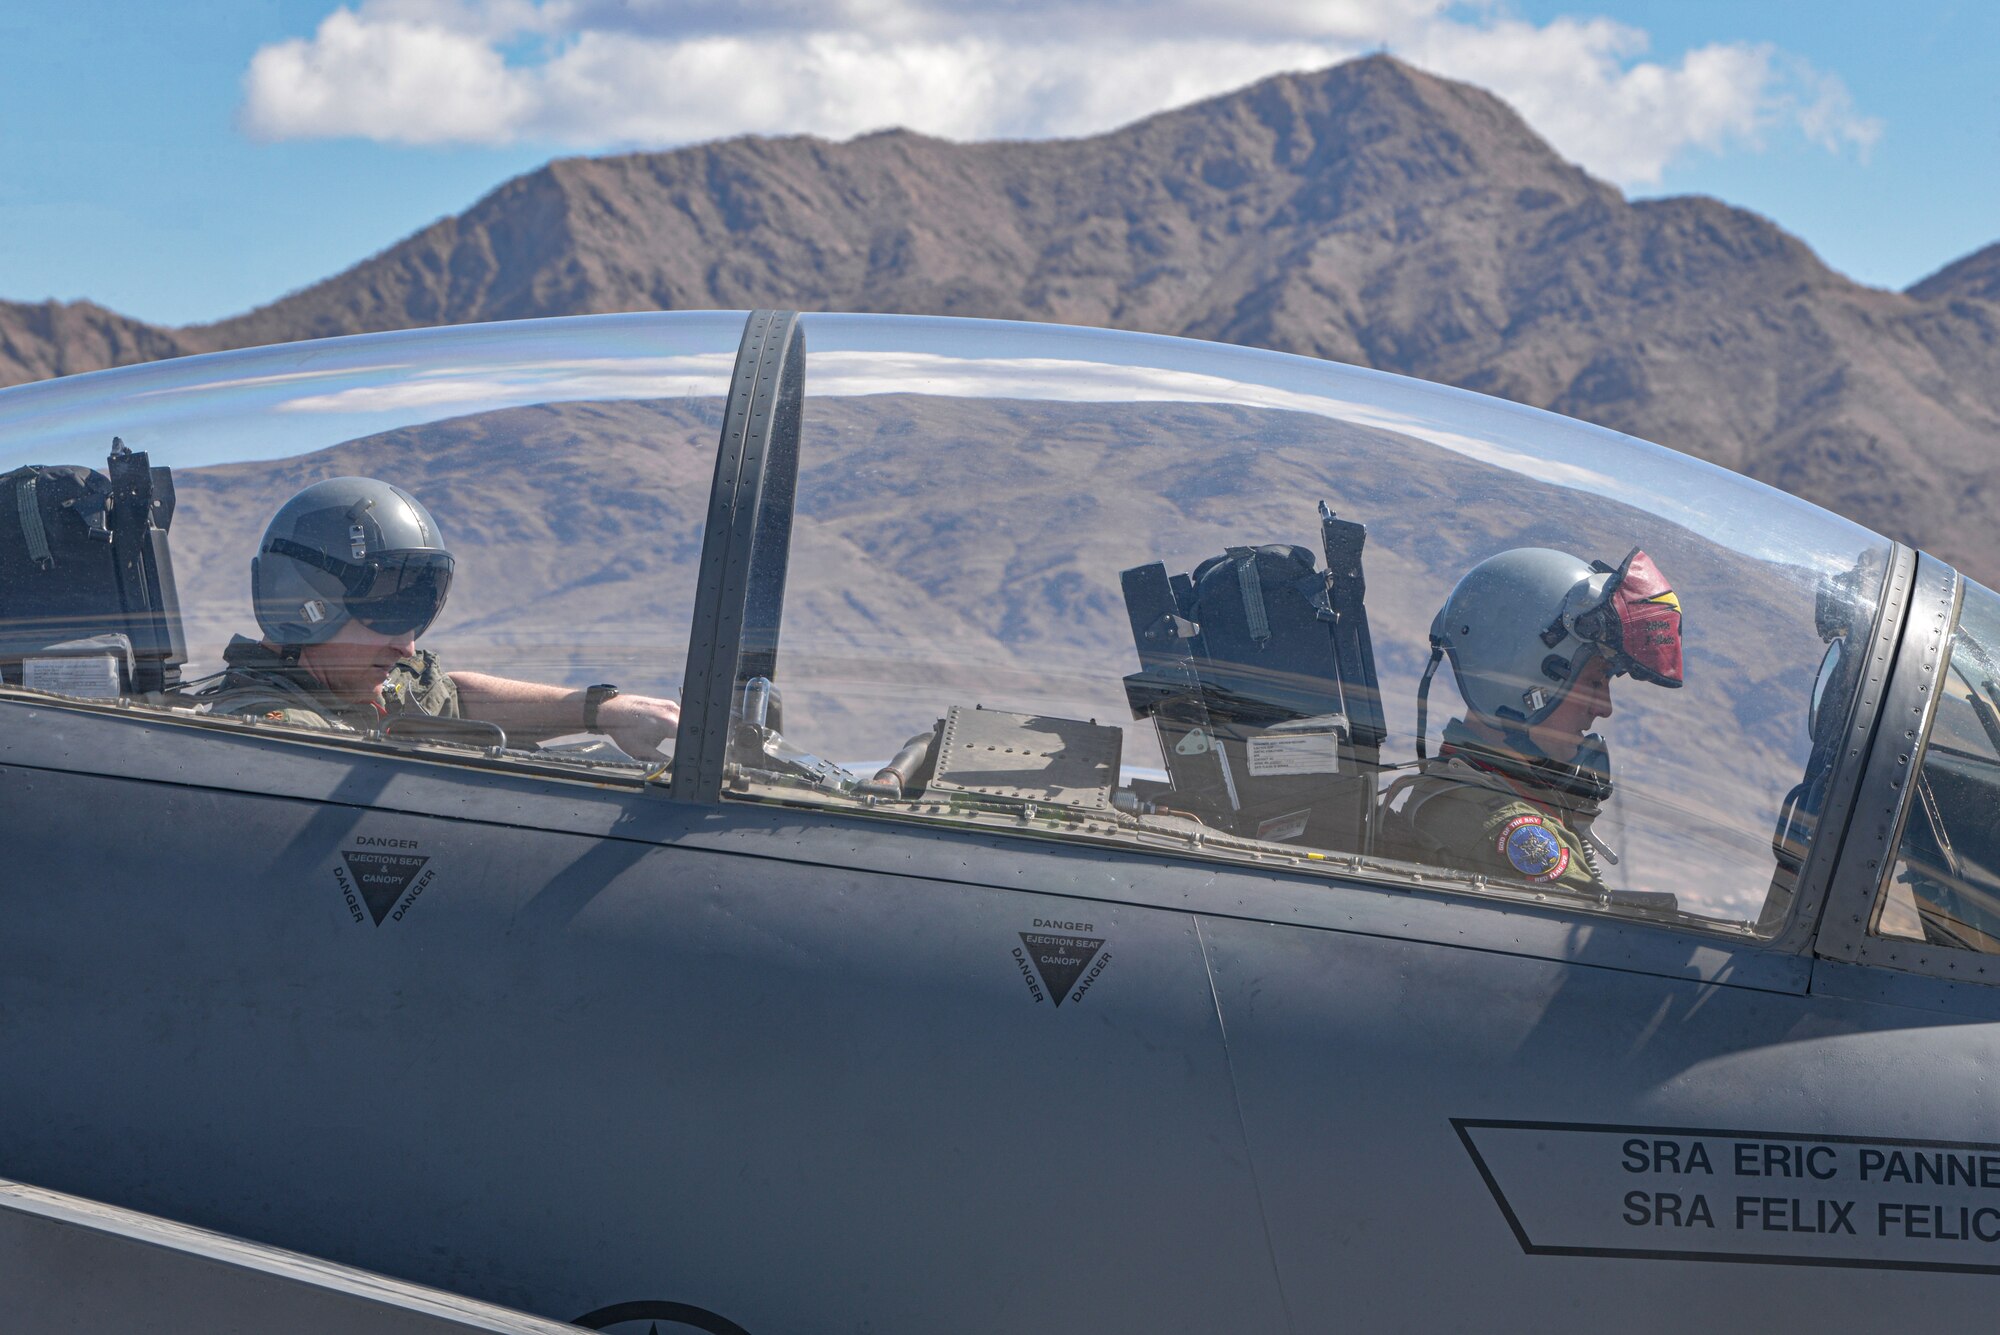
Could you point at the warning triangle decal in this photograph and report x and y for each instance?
(382, 878)
(1060, 960)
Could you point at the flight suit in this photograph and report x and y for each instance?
(1469, 818)
(262, 683)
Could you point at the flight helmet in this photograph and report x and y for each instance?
(1520, 627)
(349, 549)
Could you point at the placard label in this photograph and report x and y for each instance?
(1679, 1193)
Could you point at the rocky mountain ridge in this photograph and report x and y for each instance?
(1368, 213)
(1977, 277)
(52, 338)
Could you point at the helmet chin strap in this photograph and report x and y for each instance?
(1424, 700)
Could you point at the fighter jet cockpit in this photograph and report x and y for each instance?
(1144, 596)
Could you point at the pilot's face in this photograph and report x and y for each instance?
(1560, 735)
(354, 663)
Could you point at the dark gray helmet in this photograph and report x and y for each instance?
(349, 549)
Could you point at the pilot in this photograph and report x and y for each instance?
(349, 573)
(1534, 637)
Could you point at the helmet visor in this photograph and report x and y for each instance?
(1635, 622)
(392, 593)
(406, 593)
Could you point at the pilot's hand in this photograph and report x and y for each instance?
(639, 723)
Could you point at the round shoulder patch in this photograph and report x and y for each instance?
(1533, 848)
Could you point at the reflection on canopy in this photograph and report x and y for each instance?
(277, 402)
(1520, 440)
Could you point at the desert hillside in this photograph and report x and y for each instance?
(1369, 213)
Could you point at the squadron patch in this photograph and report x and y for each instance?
(1533, 848)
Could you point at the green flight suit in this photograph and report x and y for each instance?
(261, 683)
(1469, 819)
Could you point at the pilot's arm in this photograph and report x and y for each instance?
(533, 711)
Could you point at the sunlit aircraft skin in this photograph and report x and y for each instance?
(733, 1044)
(76, 1265)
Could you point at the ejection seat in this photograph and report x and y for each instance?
(1258, 670)
(87, 599)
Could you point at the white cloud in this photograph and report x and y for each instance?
(387, 78)
(598, 74)
(1581, 84)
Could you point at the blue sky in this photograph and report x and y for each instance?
(182, 163)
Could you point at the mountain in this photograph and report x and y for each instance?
(54, 338)
(1975, 277)
(1369, 213)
